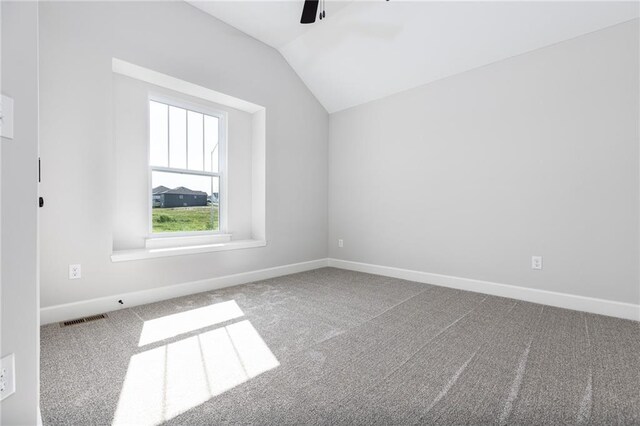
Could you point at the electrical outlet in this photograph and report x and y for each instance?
(75, 272)
(7, 376)
(536, 262)
(340, 243)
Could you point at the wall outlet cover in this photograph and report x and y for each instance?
(536, 262)
(7, 376)
(75, 272)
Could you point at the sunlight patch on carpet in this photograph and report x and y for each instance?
(163, 382)
(168, 326)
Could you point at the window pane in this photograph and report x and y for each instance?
(158, 134)
(211, 144)
(177, 137)
(195, 161)
(183, 202)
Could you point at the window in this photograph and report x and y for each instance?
(185, 167)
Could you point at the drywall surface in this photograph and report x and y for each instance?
(472, 175)
(78, 42)
(20, 299)
(132, 214)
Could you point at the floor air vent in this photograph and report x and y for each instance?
(82, 320)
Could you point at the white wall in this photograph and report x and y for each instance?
(78, 41)
(472, 175)
(20, 299)
(131, 226)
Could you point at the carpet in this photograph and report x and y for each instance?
(339, 347)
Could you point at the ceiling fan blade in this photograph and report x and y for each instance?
(309, 12)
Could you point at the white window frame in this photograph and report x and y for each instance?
(221, 174)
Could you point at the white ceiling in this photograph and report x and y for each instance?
(366, 50)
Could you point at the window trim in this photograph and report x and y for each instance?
(222, 173)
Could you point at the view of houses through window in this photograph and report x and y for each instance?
(185, 169)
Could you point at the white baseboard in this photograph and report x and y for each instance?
(560, 300)
(69, 311)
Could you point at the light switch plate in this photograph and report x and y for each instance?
(7, 376)
(6, 117)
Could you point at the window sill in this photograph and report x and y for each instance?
(186, 240)
(152, 253)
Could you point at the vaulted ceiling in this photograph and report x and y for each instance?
(366, 50)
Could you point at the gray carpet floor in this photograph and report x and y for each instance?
(339, 347)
